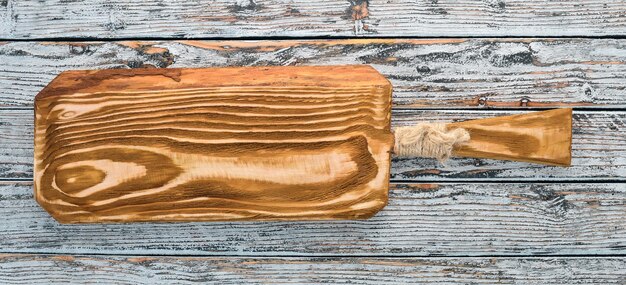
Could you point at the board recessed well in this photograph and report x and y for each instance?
(246, 143)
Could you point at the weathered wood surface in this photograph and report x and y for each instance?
(16, 143)
(237, 143)
(64, 269)
(428, 73)
(598, 150)
(465, 219)
(303, 18)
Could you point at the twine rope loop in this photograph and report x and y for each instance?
(432, 140)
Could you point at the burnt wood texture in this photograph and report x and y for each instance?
(241, 143)
(266, 143)
(539, 137)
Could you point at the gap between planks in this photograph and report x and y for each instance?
(407, 181)
(309, 255)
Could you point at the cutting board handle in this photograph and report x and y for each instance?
(539, 137)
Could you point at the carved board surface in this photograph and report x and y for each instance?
(268, 143)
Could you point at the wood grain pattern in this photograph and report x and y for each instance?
(425, 73)
(263, 143)
(63, 269)
(302, 18)
(537, 137)
(598, 150)
(448, 219)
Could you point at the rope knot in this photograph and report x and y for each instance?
(428, 140)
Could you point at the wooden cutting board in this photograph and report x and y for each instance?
(268, 143)
(248, 143)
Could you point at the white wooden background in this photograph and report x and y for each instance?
(473, 221)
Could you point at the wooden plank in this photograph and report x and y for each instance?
(302, 18)
(214, 144)
(16, 143)
(464, 219)
(425, 73)
(64, 269)
(598, 150)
